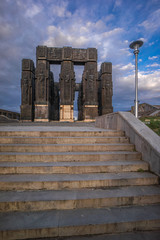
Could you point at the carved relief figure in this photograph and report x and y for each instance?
(41, 81)
(25, 64)
(90, 87)
(67, 83)
(91, 53)
(25, 91)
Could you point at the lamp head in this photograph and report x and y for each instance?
(136, 44)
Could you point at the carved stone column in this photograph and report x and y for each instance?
(80, 103)
(27, 90)
(67, 89)
(106, 89)
(42, 86)
(56, 103)
(90, 91)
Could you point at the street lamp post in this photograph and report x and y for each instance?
(136, 45)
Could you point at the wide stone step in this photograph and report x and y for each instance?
(81, 198)
(103, 133)
(69, 156)
(54, 223)
(65, 147)
(75, 181)
(136, 235)
(62, 140)
(72, 167)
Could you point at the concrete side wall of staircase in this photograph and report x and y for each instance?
(144, 139)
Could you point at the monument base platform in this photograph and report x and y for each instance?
(26, 112)
(66, 113)
(41, 120)
(90, 112)
(41, 113)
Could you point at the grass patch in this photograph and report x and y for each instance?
(140, 170)
(153, 123)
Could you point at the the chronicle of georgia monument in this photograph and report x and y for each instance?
(42, 99)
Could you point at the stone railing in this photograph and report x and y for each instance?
(145, 140)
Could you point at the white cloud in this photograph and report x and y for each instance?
(153, 65)
(152, 24)
(117, 3)
(152, 43)
(125, 51)
(123, 69)
(33, 10)
(127, 67)
(109, 18)
(143, 39)
(146, 82)
(150, 81)
(152, 58)
(5, 30)
(60, 10)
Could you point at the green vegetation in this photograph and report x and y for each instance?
(140, 170)
(153, 123)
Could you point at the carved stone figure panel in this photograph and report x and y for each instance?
(40, 70)
(106, 89)
(76, 55)
(80, 103)
(67, 83)
(28, 65)
(25, 87)
(56, 104)
(92, 54)
(42, 82)
(27, 90)
(79, 55)
(55, 54)
(106, 67)
(106, 82)
(67, 53)
(41, 52)
(90, 77)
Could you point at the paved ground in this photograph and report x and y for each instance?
(49, 126)
(52, 123)
(122, 236)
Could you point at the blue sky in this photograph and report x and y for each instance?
(108, 25)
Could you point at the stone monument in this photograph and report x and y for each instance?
(45, 100)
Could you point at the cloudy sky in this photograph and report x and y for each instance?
(108, 25)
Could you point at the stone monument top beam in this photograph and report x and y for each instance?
(77, 55)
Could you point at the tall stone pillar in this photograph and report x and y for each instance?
(27, 90)
(56, 103)
(51, 95)
(90, 90)
(80, 103)
(54, 100)
(67, 89)
(106, 88)
(42, 86)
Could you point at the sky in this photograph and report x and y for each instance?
(108, 25)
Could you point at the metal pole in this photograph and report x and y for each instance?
(136, 45)
(136, 82)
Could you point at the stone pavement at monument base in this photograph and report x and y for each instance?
(75, 181)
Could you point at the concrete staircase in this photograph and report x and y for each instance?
(69, 183)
